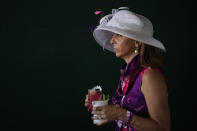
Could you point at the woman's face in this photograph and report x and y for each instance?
(123, 46)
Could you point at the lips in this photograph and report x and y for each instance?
(115, 50)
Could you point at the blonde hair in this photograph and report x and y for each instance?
(151, 56)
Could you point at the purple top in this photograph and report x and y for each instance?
(132, 99)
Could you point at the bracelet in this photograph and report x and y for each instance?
(128, 117)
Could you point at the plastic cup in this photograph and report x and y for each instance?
(99, 103)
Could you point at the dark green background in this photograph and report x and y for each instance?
(49, 60)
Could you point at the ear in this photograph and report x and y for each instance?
(137, 44)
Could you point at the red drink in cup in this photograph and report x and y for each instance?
(94, 94)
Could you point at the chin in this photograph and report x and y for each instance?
(118, 55)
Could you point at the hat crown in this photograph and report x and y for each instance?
(108, 17)
(127, 20)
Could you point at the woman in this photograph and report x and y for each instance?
(140, 102)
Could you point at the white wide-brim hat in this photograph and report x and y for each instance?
(128, 24)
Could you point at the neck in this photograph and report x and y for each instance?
(128, 58)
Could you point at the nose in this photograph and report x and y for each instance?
(112, 39)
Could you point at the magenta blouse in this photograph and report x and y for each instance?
(128, 94)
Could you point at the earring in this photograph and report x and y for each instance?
(135, 51)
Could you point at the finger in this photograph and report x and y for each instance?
(98, 108)
(103, 116)
(97, 117)
(96, 112)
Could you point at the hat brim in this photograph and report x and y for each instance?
(103, 35)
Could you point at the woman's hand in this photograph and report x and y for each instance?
(107, 113)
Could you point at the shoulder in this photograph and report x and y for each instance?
(153, 79)
(152, 74)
